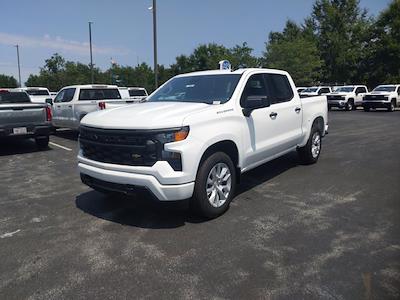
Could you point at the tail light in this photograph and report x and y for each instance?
(102, 105)
(48, 113)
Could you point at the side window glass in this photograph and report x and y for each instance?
(255, 86)
(278, 88)
(69, 95)
(59, 97)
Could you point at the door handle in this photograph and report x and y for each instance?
(297, 109)
(273, 115)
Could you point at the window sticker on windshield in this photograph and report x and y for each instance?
(190, 85)
(216, 102)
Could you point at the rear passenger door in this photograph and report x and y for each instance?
(287, 107)
(62, 108)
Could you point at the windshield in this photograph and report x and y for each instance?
(200, 89)
(385, 88)
(310, 90)
(346, 89)
(99, 94)
(135, 93)
(14, 97)
(38, 92)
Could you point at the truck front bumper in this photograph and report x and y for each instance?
(337, 103)
(376, 104)
(127, 182)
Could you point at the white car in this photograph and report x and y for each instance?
(383, 96)
(37, 94)
(315, 91)
(72, 103)
(348, 97)
(198, 133)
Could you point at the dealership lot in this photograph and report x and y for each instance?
(329, 230)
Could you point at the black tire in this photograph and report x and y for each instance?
(349, 105)
(392, 106)
(366, 109)
(42, 142)
(200, 203)
(329, 107)
(306, 154)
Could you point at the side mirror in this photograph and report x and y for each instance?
(254, 102)
(49, 101)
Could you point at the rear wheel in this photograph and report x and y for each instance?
(309, 154)
(215, 186)
(42, 142)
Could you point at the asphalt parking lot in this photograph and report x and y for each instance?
(326, 231)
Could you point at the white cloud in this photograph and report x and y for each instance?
(57, 43)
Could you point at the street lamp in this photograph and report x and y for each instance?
(91, 55)
(154, 9)
(19, 67)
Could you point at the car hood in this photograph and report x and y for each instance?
(147, 115)
(381, 93)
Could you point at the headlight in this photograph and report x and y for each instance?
(173, 135)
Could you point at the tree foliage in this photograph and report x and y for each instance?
(295, 51)
(8, 81)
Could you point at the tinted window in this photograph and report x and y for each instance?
(66, 95)
(14, 97)
(200, 89)
(278, 88)
(398, 90)
(99, 94)
(323, 91)
(360, 90)
(38, 92)
(310, 90)
(385, 88)
(255, 86)
(135, 93)
(345, 89)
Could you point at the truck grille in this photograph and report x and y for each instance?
(123, 147)
(375, 97)
(334, 97)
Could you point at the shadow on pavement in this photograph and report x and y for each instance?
(67, 134)
(18, 146)
(145, 212)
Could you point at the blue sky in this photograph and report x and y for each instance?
(122, 29)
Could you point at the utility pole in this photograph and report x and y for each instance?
(155, 43)
(19, 66)
(91, 55)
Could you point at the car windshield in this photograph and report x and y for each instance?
(310, 90)
(136, 93)
(14, 97)
(38, 92)
(200, 89)
(99, 94)
(346, 89)
(386, 88)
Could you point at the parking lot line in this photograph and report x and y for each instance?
(60, 146)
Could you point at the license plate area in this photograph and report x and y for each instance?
(20, 130)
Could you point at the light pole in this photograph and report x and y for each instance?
(154, 9)
(91, 55)
(19, 67)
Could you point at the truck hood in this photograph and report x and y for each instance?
(381, 93)
(147, 115)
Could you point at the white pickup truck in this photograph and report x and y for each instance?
(315, 91)
(37, 94)
(72, 103)
(383, 96)
(348, 97)
(198, 133)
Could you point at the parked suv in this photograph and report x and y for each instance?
(383, 96)
(198, 133)
(347, 97)
(315, 91)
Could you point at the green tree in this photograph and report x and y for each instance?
(295, 51)
(342, 29)
(8, 81)
(383, 59)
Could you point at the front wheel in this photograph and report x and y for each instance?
(349, 105)
(392, 106)
(215, 186)
(309, 154)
